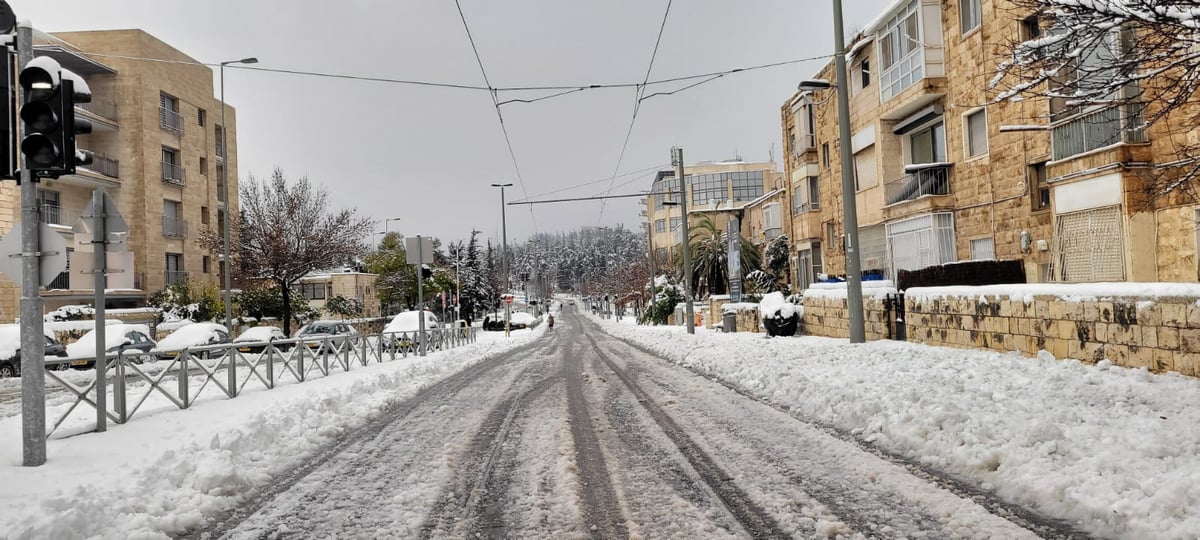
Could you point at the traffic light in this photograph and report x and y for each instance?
(50, 94)
(8, 116)
(426, 273)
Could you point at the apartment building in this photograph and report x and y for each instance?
(156, 140)
(718, 190)
(318, 287)
(944, 173)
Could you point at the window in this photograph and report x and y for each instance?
(174, 269)
(747, 186)
(900, 52)
(707, 187)
(983, 249)
(172, 170)
(865, 175)
(49, 203)
(219, 135)
(201, 117)
(1089, 245)
(675, 221)
(1031, 28)
(791, 140)
(204, 263)
(660, 225)
(968, 14)
(921, 241)
(825, 155)
(929, 144)
(174, 225)
(977, 136)
(830, 234)
(1040, 189)
(220, 182)
(663, 187)
(168, 113)
(203, 166)
(809, 266)
(312, 291)
(864, 73)
(814, 193)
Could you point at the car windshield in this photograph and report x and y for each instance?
(320, 329)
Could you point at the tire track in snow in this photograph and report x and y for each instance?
(752, 517)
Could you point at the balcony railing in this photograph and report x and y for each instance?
(102, 164)
(220, 146)
(805, 207)
(170, 120)
(176, 278)
(53, 214)
(100, 107)
(773, 233)
(174, 227)
(61, 282)
(1097, 129)
(922, 179)
(172, 173)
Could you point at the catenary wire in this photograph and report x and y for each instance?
(637, 104)
(605, 179)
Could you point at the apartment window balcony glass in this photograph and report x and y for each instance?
(1097, 129)
(921, 241)
(102, 164)
(175, 277)
(922, 179)
(174, 227)
(901, 53)
(172, 173)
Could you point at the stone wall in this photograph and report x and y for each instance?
(826, 315)
(1162, 334)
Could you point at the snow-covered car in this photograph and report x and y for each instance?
(326, 335)
(10, 351)
(131, 340)
(254, 339)
(404, 328)
(517, 320)
(194, 335)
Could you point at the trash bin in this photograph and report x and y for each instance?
(729, 321)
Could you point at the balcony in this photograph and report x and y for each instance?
(170, 120)
(174, 227)
(1095, 130)
(220, 148)
(61, 282)
(922, 179)
(103, 108)
(172, 173)
(104, 165)
(772, 233)
(176, 278)
(53, 214)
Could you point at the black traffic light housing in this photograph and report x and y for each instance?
(8, 117)
(50, 94)
(426, 273)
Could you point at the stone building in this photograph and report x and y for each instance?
(717, 190)
(156, 140)
(319, 287)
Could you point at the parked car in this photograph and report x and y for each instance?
(194, 335)
(322, 335)
(253, 339)
(10, 351)
(404, 328)
(131, 340)
(517, 320)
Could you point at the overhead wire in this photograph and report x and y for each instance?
(496, 106)
(605, 179)
(637, 104)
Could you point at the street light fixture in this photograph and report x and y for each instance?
(225, 197)
(854, 298)
(385, 224)
(504, 254)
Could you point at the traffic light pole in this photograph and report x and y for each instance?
(685, 243)
(33, 344)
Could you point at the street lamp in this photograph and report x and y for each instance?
(504, 254)
(385, 224)
(225, 197)
(854, 298)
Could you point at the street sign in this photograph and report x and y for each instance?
(734, 235)
(417, 255)
(53, 249)
(508, 299)
(115, 227)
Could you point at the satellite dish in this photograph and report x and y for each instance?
(8, 19)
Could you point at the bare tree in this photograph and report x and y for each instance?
(287, 230)
(1139, 60)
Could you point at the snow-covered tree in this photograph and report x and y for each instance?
(1139, 59)
(286, 230)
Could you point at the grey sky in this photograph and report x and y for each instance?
(427, 155)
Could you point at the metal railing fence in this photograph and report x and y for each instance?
(933, 180)
(231, 368)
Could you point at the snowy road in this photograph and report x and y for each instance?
(580, 435)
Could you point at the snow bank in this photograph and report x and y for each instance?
(871, 289)
(1072, 292)
(114, 336)
(1113, 449)
(169, 470)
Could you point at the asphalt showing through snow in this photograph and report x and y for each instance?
(580, 435)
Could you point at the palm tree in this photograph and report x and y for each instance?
(710, 258)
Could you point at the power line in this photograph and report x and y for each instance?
(574, 199)
(496, 106)
(605, 179)
(637, 104)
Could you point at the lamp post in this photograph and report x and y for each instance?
(225, 197)
(385, 224)
(854, 298)
(384, 234)
(504, 254)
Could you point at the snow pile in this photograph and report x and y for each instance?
(1114, 450)
(521, 317)
(871, 289)
(70, 313)
(775, 306)
(734, 307)
(256, 334)
(410, 321)
(1071, 292)
(114, 336)
(168, 471)
(192, 335)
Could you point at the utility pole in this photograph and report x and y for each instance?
(677, 160)
(33, 345)
(854, 298)
(504, 255)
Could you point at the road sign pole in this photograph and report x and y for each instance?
(33, 374)
(100, 253)
(421, 296)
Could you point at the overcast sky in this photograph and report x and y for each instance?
(427, 155)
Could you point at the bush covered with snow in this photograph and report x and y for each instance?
(776, 306)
